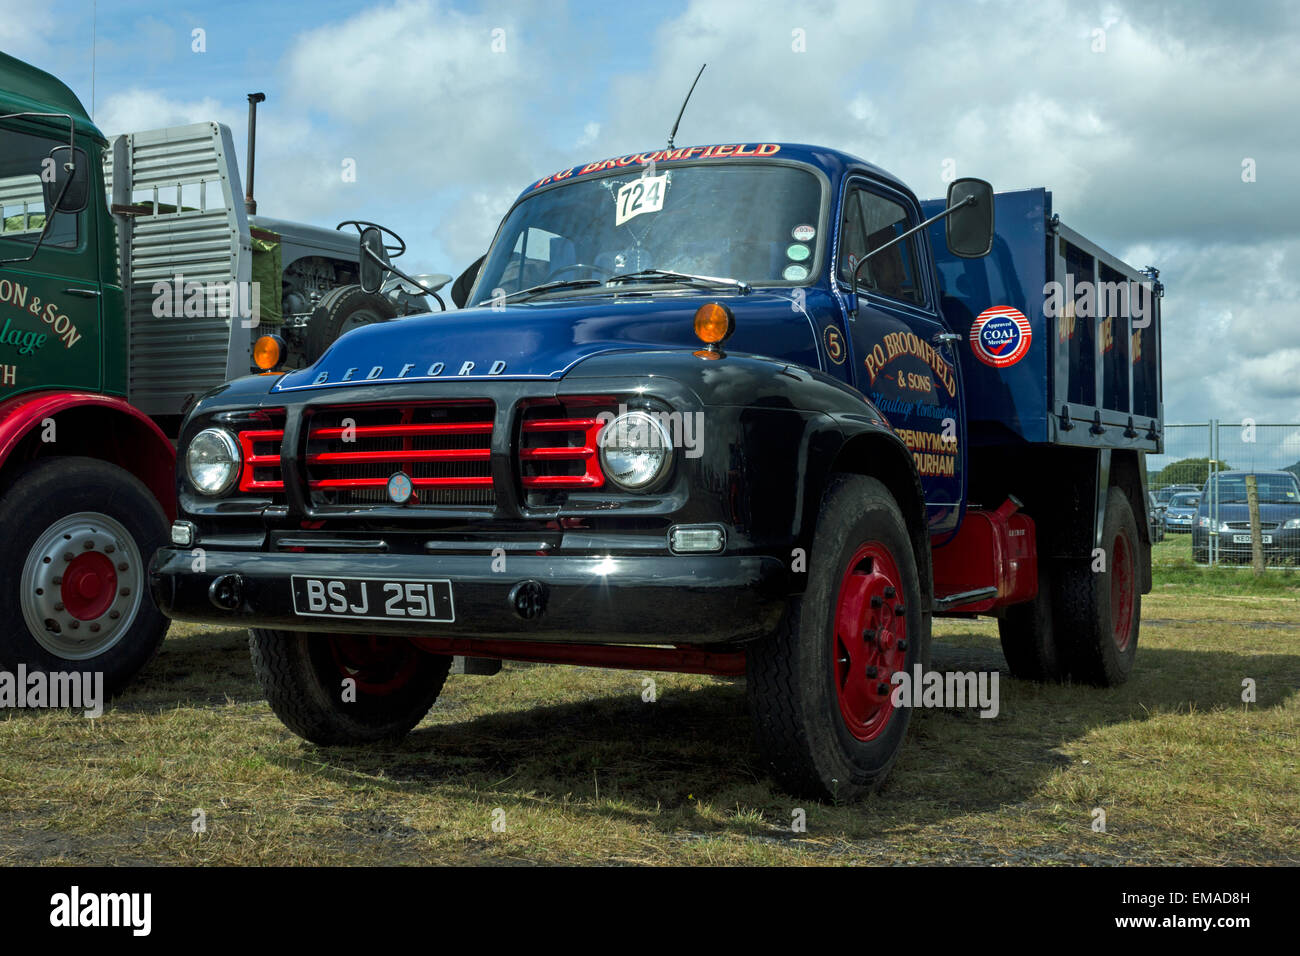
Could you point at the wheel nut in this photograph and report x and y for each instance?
(94, 627)
(67, 555)
(121, 566)
(109, 549)
(876, 600)
(873, 672)
(114, 614)
(902, 645)
(869, 634)
(88, 545)
(900, 608)
(58, 579)
(75, 624)
(124, 592)
(59, 606)
(882, 688)
(890, 592)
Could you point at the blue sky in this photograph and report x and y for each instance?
(1142, 140)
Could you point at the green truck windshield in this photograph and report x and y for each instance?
(755, 223)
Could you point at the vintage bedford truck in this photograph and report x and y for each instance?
(739, 409)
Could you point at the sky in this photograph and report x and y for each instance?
(1169, 133)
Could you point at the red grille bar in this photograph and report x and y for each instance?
(559, 449)
(248, 442)
(589, 428)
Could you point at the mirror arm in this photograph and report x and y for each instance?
(897, 239)
(58, 200)
(389, 267)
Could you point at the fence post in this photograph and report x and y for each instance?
(1213, 486)
(1256, 533)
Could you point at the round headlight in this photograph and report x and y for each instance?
(635, 450)
(212, 461)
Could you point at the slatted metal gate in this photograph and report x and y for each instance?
(178, 203)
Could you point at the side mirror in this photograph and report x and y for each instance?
(68, 190)
(373, 260)
(461, 288)
(970, 228)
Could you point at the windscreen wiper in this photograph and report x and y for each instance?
(545, 287)
(666, 275)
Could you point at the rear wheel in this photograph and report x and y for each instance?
(1098, 612)
(820, 689)
(1029, 640)
(346, 689)
(73, 582)
(341, 310)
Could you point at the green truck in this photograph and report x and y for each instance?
(133, 278)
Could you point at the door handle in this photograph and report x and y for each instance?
(945, 338)
(83, 293)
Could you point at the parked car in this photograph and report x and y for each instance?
(1162, 495)
(1180, 513)
(1155, 520)
(1279, 514)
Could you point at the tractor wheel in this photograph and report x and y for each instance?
(819, 689)
(343, 689)
(341, 310)
(74, 594)
(1029, 641)
(1097, 613)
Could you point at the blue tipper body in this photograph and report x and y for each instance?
(1080, 383)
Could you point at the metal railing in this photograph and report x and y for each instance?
(1200, 497)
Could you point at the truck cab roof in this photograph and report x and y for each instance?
(831, 162)
(28, 89)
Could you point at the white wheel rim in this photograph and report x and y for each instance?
(74, 605)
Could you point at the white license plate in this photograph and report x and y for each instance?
(374, 599)
(1245, 539)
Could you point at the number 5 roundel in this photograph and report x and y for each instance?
(1000, 336)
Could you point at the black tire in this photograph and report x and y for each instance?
(796, 675)
(302, 677)
(1029, 640)
(54, 507)
(1201, 557)
(341, 309)
(1097, 614)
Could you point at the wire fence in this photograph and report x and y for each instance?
(1199, 498)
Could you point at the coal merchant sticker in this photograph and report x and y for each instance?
(1000, 336)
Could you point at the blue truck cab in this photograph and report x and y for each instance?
(736, 409)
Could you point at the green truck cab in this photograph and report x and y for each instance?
(128, 270)
(85, 477)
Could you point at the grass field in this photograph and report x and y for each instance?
(573, 766)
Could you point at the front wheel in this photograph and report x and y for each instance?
(820, 689)
(73, 584)
(346, 689)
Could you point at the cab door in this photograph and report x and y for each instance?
(904, 357)
(49, 301)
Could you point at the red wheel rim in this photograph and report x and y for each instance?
(870, 623)
(379, 665)
(89, 585)
(1121, 591)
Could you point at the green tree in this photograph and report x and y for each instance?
(1185, 471)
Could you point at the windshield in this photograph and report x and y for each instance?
(1273, 490)
(757, 223)
(1184, 501)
